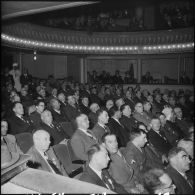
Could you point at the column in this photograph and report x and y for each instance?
(139, 67)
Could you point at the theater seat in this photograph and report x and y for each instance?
(67, 127)
(73, 157)
(24, 141)
(73, 170)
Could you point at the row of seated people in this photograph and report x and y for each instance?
(128, 164)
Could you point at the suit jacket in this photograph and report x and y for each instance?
(91, 177)
(136, 159)
(38, 162)
(57, 133)
(159, 142)
(128, 123)
(71, 112)
(17, 125)
(99, 131)
(80, 143)
(170, 132)
(122, 172)
(157, 107)
(120, 132)
(182, 186)
(142, 118)
(84, 109)
(183, 125)
(92, 119)
(36, 118)
(12, 144)
(58, 118)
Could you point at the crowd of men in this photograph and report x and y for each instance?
(130, 141)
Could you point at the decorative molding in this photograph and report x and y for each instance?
(30, 36)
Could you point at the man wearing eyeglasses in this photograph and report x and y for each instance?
(179, 164)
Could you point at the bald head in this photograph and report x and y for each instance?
(41, 140)
(187, 145)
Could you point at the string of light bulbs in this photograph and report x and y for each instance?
(71, 47)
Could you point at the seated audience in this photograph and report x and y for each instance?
(134, 152)
(158, 139)
(43, 156)
(100, 127)
(180, 121)
(36, 115)
(57, 114)
(18, 122)
(140, 115)
(179, 164)
(96, 173)
(9, 139)
(84, 105)
(157, 105)
(129, 100)
(109, 104)
(71, 109)
(57, 133)
(119, 169)
(170, 130)
(119, 102)
(83, 138)
(93, 118)
(116, 127)
(158, 182)
(126, 119)
(147, 109)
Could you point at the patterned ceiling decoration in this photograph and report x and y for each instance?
(30, 36)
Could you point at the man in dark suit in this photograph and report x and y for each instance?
(117, 128)
(82, 138)
(158, 139)
(119, 169)
(180, 121)
(57, 133)
(126, 120)
(96, 173)
(128, 100)
(100, 127)
(84, 105)
(135, 154)
(43, 157)
(56, 112)
(71, 109)
(36, 115)
(179, 164)
(19, 123)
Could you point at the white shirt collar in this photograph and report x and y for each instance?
(99, 173)
(101, 125)
(84, 131)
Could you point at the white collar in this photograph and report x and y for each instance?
(85, 131)
(99, 173)
(101, 125)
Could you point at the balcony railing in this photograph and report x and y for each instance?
(30, 36)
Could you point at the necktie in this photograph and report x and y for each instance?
(189, 182)
(3, 142)
(53, 166)
(107, 181)
(106, 129)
